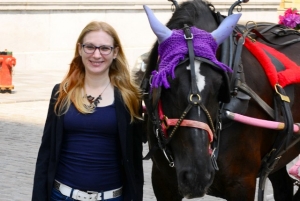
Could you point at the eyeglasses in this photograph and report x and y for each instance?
(90, 49)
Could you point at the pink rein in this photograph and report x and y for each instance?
(259, 122)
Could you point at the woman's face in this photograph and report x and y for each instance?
(97, 60)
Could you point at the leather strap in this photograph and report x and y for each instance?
(189, 37)
(257, 33)
(244, 87)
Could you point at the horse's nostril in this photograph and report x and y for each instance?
(190, 178)
(209, 175)
(187, 177)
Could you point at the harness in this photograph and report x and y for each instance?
(282, 108)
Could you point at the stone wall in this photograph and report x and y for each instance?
(42, 34)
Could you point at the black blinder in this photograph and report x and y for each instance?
(224, 92)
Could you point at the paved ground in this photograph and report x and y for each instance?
(22, 116)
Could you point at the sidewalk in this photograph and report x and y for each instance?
(22, 117)
(32, 85)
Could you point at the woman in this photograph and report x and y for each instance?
(92, 142)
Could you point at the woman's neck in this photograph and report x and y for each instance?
(98, 90)
(96, 82)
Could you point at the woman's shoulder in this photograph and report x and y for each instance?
(55, 90)
(117, 94)
(56, 87)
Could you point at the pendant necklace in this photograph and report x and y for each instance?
(94, 101)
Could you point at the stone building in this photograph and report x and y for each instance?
(284, 4)
(42, 33)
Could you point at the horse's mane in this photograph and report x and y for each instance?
(189, 13)
(193, 13)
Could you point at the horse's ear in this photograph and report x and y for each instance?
(224, 92)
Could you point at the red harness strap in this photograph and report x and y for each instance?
(166, 122)
(290, 75)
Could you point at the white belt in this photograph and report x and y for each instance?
(87, 195)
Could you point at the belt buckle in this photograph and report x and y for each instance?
(87, 196)
(93, 193)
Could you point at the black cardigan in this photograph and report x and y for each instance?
(49, 152)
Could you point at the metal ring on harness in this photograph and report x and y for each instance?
(171, 162)
(195, 95)
(249, 23)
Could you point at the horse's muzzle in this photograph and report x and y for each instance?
(192, 184)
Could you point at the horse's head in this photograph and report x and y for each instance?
(185, 92)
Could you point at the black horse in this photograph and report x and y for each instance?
(243, 152)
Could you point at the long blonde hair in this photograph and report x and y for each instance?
(70, 89)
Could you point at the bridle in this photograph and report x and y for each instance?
(166, 122)
(161, 123)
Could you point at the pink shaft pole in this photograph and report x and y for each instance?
(260, 122)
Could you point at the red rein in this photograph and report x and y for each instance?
(166, 122)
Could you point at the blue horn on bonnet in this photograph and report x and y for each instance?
(225, 28)
(161, 31)
(220, 34)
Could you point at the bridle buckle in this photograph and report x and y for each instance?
(164, 122)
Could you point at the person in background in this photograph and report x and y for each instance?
(91, 147)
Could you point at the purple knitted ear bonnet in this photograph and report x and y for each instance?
(174, 49)
(173, 46)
